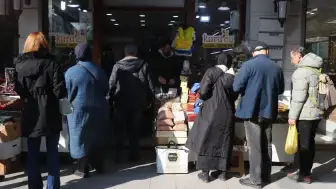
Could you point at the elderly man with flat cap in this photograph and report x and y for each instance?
(259, 81)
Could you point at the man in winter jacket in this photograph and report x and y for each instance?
(131, 92)
(304, 109)
(259, 81)
(166, 67)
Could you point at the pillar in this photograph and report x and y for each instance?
(98, 14)
(189, 8)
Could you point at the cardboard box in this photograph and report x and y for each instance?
(167, 140)
(176, 134)
(10, 165)
(10, 149)
(10, 130)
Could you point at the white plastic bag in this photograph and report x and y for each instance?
(65, 106)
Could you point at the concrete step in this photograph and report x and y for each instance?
(324, 142)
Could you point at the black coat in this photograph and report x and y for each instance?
(40, 84)
(131, 86)
(212, 134)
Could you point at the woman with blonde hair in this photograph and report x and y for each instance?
(40, 84)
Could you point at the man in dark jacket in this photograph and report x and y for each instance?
(131, 91)
(260, 81)
(166, 67)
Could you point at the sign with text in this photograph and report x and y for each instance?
(225, 40)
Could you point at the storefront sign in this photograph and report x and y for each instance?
(225, 40)
(66, 40)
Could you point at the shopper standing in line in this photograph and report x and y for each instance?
(131, 93)
(40, 84)
(87, 87)
(212, 135)
(260, 81)
(304, 109)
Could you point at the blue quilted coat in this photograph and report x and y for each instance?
(87, 87)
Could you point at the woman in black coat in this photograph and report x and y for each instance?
(212, 135)
(40, 84)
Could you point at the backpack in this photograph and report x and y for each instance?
(326, 92)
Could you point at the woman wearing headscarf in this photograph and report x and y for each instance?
(87, 87)
(212, 135)
(40, 84)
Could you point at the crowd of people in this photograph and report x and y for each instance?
(129, 91)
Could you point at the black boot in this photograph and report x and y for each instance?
(82, 169)
(204, 176)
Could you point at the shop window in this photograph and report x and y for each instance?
(69, 25)
(321, 32)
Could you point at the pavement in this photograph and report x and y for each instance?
(143, 176)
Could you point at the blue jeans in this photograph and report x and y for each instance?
(53, 163)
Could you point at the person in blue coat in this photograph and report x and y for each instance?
(87, 87)
(259, 81)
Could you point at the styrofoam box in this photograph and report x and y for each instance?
(10, 149)
(172, 160)
(176, 134)
(190, 125)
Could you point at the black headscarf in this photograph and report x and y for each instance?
(224, 59)
(83, 52)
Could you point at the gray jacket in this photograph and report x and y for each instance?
(305, 88)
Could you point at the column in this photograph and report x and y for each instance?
(190, 16)
(97, 14)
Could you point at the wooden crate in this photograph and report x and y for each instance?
(237, 163)
(11, 165)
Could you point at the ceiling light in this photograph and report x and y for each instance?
(223, 8)
(197, 17)
(113, 20)
(142, 15)
(222, 24)
(227, 22)
(314, 10)
(142, 20)
(108, 14)
(205, 18)
(175, 16)
(79, 9)
(202, 5)
(84, 10)
(116, 24)
(170, 24)
(172, 21)
(143, 25)
(73, 4)
(63, 5)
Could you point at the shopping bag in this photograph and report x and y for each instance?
(291, 146)
(65, 106)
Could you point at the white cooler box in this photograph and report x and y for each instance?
(10, 149)
(172, 159)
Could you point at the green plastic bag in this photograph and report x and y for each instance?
(291, 146)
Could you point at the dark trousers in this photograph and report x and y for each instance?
(306, 151)
(53, 162)
(128, 124)
(259, 140)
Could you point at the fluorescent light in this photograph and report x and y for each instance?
(143, 25)
(222, 24)
(314, 10)
(79, 9)
(216, 52)
(227, 22)
(142, 20)
(197, 17)
(170, 24)
(116, 24)
(108, 14)
(223, 8)
(73, 5)
(202, 5)
(205, 18)
(63, 5)
(172, 21)
(84, 10)
(175, 16)
(226, 50)
(113, 20)
(142, 15)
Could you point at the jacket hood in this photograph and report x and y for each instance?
(131, 64)
(32, 63)
(311, 60)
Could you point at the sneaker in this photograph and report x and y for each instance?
(204, 176)
(81, 174)
(306, 179)
(249, 183)
(293, 176)
(300, 178)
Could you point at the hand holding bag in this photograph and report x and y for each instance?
(291, 146)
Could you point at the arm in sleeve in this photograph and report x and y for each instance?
(113, 82)
(241, 79)
(149, 79)
(281, 83)
(206, 85)
(59, 88)
(299, 95)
